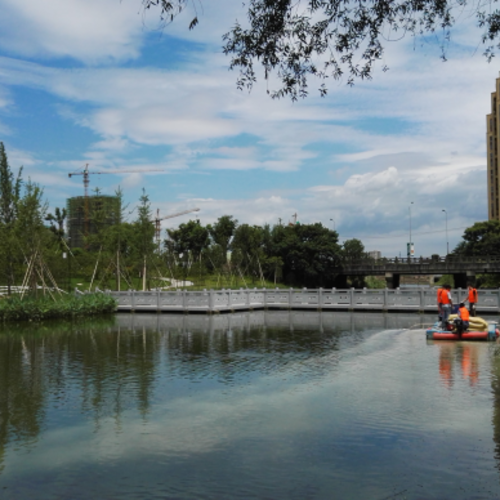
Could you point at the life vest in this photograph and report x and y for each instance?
(444, 297)
(440, 291)
(464, 314)
(472, 296)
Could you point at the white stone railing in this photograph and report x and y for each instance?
(4, 290)
(216, 301)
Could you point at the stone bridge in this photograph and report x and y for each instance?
(463, 269)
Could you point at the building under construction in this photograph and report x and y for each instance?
(87, 216)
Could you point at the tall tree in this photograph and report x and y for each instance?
(248, 248)
(32, 236)
(143, 234)
(57, 220)
(118, 238)
(482, 238)
(188, 242)
(222, 232)
(353, 250)
(310, 253)
(189, 237)
(10, 192)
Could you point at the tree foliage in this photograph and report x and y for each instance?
(143, 228)
(483, 238)
(10, 189)
(222, 232)
(353, 250)
(10, 192)
(248, 248)
(333, 38)
(24, 237)
(31, 233)
(57, 220)
(299, 255)
(309, 252)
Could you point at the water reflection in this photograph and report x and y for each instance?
(495, 386)
(256, 405)
(464, 355)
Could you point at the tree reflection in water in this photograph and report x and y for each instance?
(136, 373)
(112, 364)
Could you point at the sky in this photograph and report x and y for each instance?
(100, 82)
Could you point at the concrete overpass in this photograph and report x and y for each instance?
(463, 269)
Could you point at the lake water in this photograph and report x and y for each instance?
(264, 405)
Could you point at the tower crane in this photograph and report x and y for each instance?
(85, 173)
(158, 220)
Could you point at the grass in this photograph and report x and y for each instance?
(32, 308)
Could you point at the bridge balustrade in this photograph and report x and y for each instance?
(210, 301)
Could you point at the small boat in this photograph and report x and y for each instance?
(479, 330)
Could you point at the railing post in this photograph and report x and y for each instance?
(211, 301)
(264, 291)
(290, 298)
(158, 300)
(133, 300)
(386, 300)
(422, 300)
(320, 298)
(351, 291)
(184, 301)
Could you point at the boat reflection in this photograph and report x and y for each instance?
(458, 356)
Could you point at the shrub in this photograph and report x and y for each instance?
(40, 308)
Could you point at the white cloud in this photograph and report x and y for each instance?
(415, 133)
(88, 30)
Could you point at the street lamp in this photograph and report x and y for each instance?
(447, 242)
(410, 244)
(333, 220)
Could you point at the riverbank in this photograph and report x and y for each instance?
(40, 308)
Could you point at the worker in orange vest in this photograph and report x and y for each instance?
(462, 321)
(472, 298)
(440, 312)
(446, 304)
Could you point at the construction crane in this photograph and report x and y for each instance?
(85, 173)
(158, 220)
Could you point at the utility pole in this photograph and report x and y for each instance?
(410, 244)
(447, 241)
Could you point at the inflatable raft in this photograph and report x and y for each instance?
(479, 329)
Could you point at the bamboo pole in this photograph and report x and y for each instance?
(95, 268)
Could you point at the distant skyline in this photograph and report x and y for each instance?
(95, 81)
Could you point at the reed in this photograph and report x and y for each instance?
(68, 306)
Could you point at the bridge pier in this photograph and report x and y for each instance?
(340, 281)
(392, 280)
(463, 280)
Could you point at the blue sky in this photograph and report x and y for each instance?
(96, 81)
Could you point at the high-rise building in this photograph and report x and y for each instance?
(375, 254)
(88, 216)
(492, 140)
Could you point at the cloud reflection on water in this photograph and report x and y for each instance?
(279, 393)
